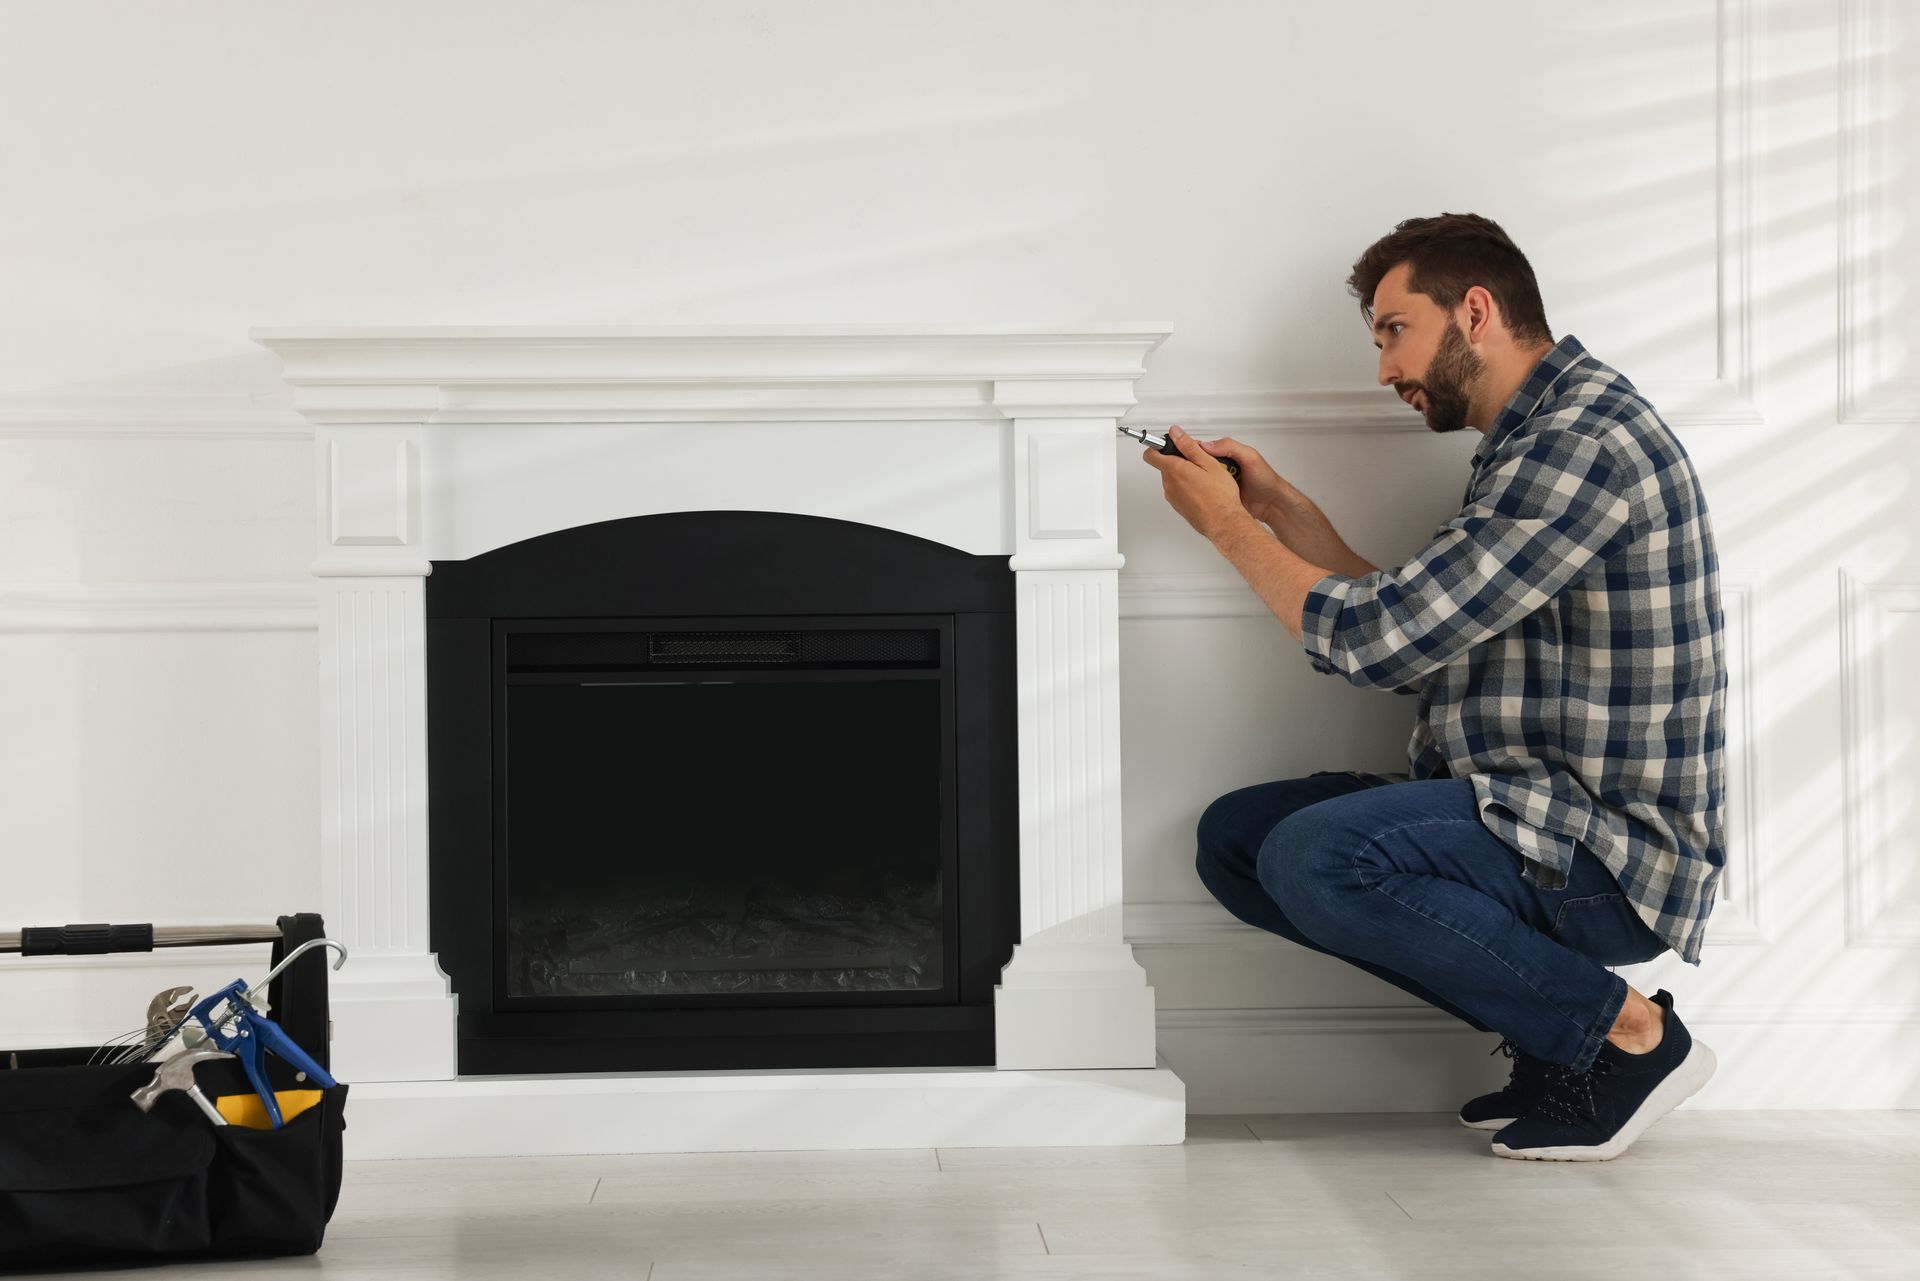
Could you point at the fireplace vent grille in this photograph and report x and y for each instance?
(708, 648)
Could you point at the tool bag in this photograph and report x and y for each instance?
(87, 1177)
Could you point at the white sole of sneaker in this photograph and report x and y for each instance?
(1681, 1084)
(1497, 1123)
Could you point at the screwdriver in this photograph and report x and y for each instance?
(1166, 446)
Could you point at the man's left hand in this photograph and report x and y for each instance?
(1198, 486)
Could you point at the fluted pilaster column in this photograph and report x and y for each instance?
(393, 1008)
(1072, 996)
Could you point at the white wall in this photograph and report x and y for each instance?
(1712, 195)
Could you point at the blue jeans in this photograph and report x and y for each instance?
(1402, 879)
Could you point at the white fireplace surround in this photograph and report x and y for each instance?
(443, 443)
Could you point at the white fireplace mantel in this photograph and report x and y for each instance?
(443, 443)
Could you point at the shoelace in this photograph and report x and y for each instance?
(1524, 1065)
(1569, 1096)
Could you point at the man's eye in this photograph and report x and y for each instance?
(1395, 327)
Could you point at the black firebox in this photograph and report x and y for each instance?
(722, 790)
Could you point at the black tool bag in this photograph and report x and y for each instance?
(87, 1177)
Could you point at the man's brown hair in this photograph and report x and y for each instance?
(1448, 255)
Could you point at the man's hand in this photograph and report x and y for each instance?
(1295, 519)
(1204, 494)
(1262, 489)
(1198, 487)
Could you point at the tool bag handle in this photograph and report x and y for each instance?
(298, 994)
(84, 940)
(97, 940)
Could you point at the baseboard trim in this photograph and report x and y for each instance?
(1421, 1060)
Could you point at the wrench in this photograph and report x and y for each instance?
(164, 1014)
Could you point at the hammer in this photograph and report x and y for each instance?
(176, 1073)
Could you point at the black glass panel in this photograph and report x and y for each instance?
(708, 836)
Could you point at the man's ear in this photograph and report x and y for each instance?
(1482, 313)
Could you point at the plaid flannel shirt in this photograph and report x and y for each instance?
(1563, 636)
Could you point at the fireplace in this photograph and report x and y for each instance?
(722, 790)
(504, 510)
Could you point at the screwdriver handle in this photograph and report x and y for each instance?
(1233, 468)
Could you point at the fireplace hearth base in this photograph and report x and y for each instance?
(836, 1109)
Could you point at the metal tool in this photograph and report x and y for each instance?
(253, 1037)
(168, 1007)
(256, 995)
(166, 1012)
(296, 954)
(1166, 446)
(115, 1048)
(177, 1074)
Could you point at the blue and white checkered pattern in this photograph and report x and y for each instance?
(1562, 635)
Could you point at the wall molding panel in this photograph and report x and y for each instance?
(1729, 398)
(1874, 843)
(1726, 398)
(1867, 224)
(1740, 915)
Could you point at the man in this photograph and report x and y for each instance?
(1561, 638)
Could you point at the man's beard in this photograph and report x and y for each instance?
(1453, 369)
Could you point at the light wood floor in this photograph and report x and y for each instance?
(1702, 1195)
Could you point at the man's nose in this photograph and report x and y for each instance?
(1389, 370)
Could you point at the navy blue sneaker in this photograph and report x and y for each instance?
(1597, 1114)
(1526, 1085)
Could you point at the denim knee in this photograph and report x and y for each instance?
(1297, 867)
(1216, 832)
(1209, 838)
(1229, 832)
